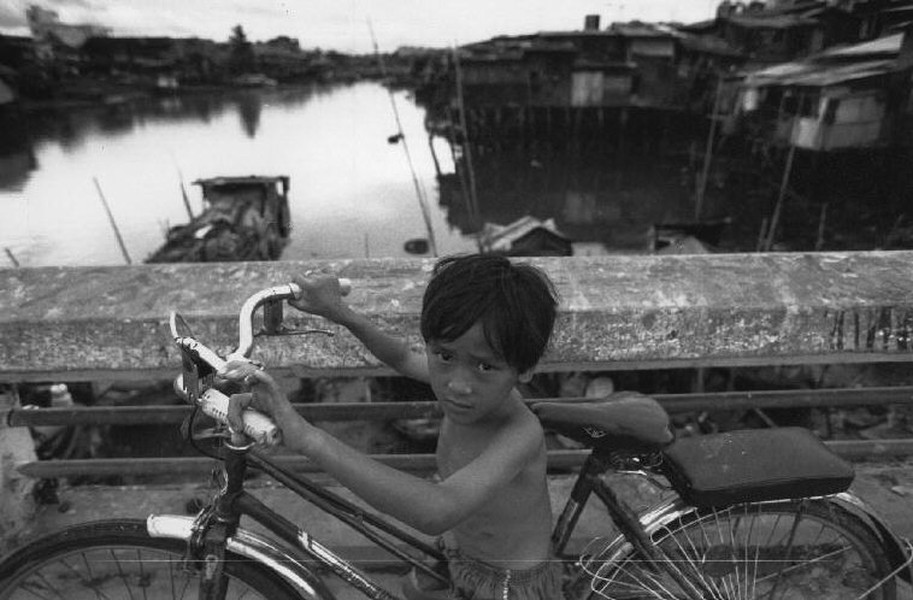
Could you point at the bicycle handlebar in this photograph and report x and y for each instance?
(215, 403)
(289, 291)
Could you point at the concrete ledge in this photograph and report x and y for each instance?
(617, 312)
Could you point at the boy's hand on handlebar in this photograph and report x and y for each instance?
(321, 294)
(265, 396)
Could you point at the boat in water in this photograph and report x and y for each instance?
(244, 219)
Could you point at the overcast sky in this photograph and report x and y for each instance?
(342, 24)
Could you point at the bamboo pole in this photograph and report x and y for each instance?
(775, 219)
(120, 240)
(419, 191)
(184, 196)
(819, 241)
(708, 152)
(467, 146)
(11, 256)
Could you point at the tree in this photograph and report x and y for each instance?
(241, 58)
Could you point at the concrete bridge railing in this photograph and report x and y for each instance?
(618, 312)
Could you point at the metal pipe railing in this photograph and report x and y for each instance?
(383, 411)
(558, 460)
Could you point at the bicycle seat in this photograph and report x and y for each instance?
(619, 421)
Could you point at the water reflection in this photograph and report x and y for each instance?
(249, 107)
(596, 194)
(351, 193)
(17, 157)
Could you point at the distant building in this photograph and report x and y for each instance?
(627, 64)
(53, 38)
(785, 30)
(850, 97)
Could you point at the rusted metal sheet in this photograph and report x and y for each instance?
(616, 312)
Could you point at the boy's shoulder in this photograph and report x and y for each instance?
(520, 429)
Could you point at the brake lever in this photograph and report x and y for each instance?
(210, 433)
(283, 330)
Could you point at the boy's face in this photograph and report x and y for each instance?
(469, 379)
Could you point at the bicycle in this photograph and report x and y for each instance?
(738, 521)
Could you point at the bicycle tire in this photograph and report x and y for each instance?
(118, 559)
(790, 549)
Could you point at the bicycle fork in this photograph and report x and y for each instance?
(214, 525)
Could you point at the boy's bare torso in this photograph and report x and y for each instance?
(512, 530)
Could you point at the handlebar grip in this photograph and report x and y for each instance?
(345, 288)
(257, 426)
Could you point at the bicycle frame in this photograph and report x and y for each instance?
(216, 527)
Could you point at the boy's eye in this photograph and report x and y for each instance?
(485, 367)
(444, 355)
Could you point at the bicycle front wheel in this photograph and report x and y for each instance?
(118, 559)
(785, 550)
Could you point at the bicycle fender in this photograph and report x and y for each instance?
(651, 520)
(896, 547)
(253, 546)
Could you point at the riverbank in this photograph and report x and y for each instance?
(97, 92)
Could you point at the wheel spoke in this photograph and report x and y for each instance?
(778, 550)
(126, 565)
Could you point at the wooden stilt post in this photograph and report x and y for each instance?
(819, 240)
(775, 219)
(437, 165)
(708, 152)
(467, 147)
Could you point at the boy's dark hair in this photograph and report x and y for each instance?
(516, 304)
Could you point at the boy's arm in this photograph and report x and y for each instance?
(430, 507)
(321, 295)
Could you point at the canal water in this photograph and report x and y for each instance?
(352, 191)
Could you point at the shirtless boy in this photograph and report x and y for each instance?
(486, 323)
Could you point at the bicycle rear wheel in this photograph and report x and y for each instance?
(118, 559)
(784, 550)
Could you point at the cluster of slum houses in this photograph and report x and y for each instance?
(824, 74)
(68, 49)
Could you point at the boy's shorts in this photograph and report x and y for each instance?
(473, 579)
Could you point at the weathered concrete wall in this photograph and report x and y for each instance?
(617, 312)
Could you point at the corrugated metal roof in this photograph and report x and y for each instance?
(639, 30)
(772, 22)
(709, 45)
(818, 75)
(250, 179)
(889, 44)
(500, 237)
